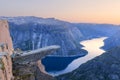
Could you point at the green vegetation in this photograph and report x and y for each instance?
(19, 76)
(2, 64)
(23, 77)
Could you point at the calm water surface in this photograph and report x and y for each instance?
(93, 48)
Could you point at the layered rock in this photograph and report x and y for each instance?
(104, 67)
(28, 66)
(31, 71)
(5, 66)
(34, 55)
(6, 50)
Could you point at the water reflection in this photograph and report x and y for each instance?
(93, 48)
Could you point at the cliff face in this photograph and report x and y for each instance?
(30, 33)
(5, 36)
(6, 49)
(31, 71)
(31, 36)
(5, 66)
(28, 66)
(27, 71)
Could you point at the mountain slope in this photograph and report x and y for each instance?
(29, 33)
(112, 41)
(33, 33)
(97, 30)
(104, 67)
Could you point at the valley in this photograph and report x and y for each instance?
(84, 48)
(93, 52)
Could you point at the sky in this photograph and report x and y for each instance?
(87, 11)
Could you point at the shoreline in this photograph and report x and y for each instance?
(77, 62)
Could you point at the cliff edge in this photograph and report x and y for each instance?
(6, 50)
(21, 66)
(5, 38)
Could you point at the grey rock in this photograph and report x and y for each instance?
(34, 55)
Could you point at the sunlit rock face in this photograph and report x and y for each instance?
(6, 49)
(5, 38)
(5, 66)
(33, 71)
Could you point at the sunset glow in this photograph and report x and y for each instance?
(87, 11)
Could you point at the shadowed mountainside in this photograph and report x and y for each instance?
(103, 67)
(29, 33)
(9, 70)
(112, 41)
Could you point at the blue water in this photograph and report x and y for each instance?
(61, 65)
(52, 63)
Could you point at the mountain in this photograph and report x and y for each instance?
(29, 33)
(97, 30)
(112, 41)
(103, 67)
(12, 69)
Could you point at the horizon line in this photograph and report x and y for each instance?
(75, 22)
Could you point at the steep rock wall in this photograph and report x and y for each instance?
(33, 71)
(5, 36)
(5, 66)
(6, 50)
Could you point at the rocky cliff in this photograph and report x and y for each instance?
(25, 65)
(33, 36)
(29, 33)
(6, 50)
(5, 38)
(28, 66)
(103, 67)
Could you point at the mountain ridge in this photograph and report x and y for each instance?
(37, 32)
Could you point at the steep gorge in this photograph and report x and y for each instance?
(10, 70)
